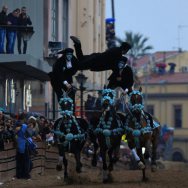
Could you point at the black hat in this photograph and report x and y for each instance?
(66, 50)
(125, 47)
(124, 59)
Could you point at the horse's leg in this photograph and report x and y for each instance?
(147, 153)
(65, 163)
(155, 139)
(111, 159)
(116, 153)
(141, 164)
(138, 159)
(60, 161)
(93, 140)
(59, 164)
(77, 156)
(105, 168)
(95, 158)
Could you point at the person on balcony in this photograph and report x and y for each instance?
(11, 31)
(3, 22)
(23, 20)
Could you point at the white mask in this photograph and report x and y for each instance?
(121, 64)
(69, 56)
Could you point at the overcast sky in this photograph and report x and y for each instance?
(164, 22)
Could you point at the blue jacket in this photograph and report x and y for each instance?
(21, 140)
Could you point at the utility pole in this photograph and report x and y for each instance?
(113, 10)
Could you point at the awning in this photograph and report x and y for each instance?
(24, 66)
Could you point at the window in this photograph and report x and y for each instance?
(150, 109)
(54, 5)
(65, 21)
(177, 116)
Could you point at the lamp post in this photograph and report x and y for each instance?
(51, 61)
(81, 79)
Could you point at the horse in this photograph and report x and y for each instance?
(142, 131)
(70, 135)
(108, 131)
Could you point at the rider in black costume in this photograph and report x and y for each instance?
(112, 59)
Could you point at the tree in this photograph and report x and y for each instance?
(138, 43)
(139, 48)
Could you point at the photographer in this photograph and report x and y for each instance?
(23, 20)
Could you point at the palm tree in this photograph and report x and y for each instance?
(138, 43)
(139, 48)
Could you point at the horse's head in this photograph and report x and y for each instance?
(66, 106)
(108, 97)
(136, 101)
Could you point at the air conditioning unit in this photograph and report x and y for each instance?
(184, 68)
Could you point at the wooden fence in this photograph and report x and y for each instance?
(45, 159)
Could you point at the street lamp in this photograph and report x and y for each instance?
(81, 79)
(51, 59)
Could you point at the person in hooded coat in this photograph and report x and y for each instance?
(62, 74)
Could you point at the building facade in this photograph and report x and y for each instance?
(56, 21)
(166, 96)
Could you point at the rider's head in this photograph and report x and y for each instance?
(68, 53)
(122, 62)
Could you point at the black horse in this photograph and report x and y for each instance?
(142, 131)
(108, 131)
(70, 133)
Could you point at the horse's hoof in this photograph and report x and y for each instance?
(94, 163)
(105, 181)
(146, 155)
(141, 165)
(110, 168)
(79, 169)
(115, 159)
(108, 180)
(59, 167)
(67, 180)
(153, 168)
(145, 179)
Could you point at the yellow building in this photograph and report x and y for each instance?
(166, 97)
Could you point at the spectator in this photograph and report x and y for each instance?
(11, 32)
(3, 21)
(41, 125)
(2, 134)
(32, 122)
(23, 20)
(2, 118)
(89, 106)
(9, 133)
(47, 133)
(98, 105)
(23, 161)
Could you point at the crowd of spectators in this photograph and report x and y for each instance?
(10, 30)
(24, 131)
(41, 126)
